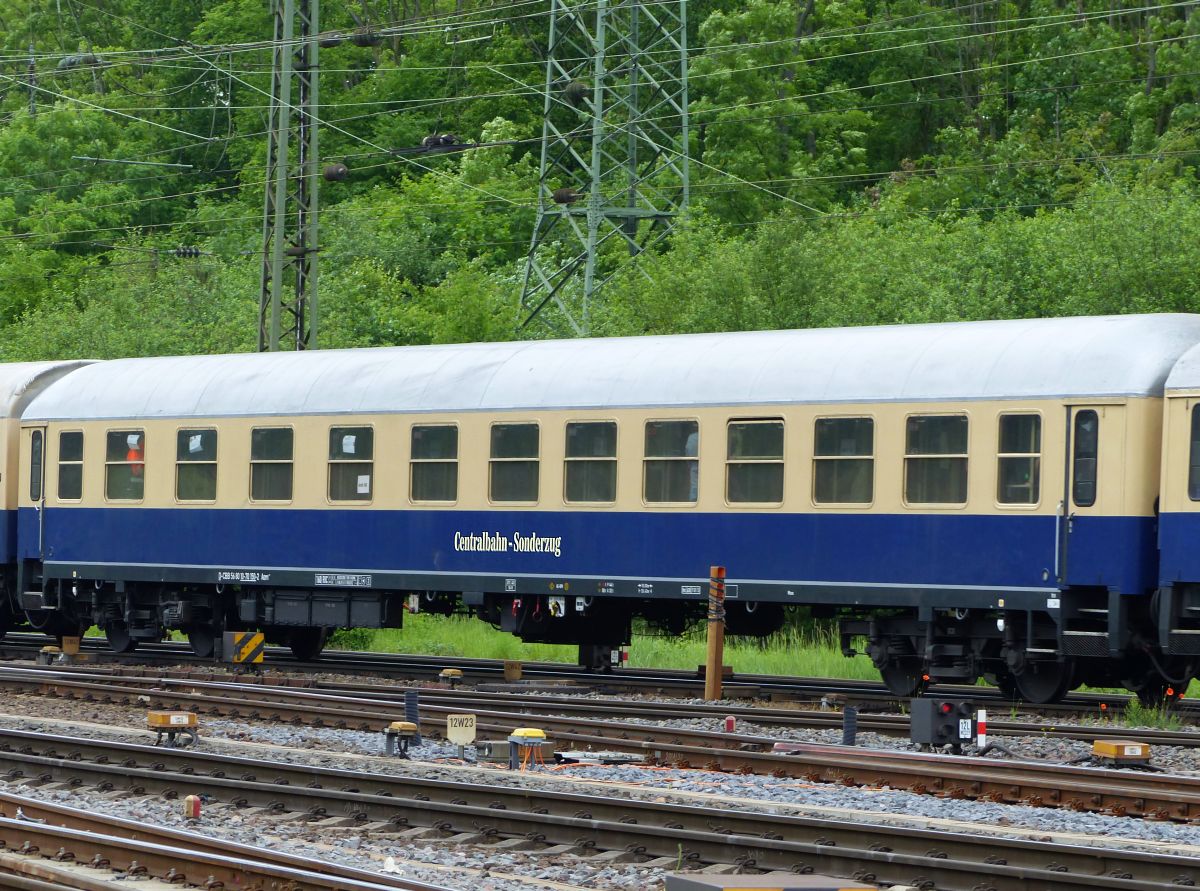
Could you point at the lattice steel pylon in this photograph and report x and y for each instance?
(614, 151)
(289, 240)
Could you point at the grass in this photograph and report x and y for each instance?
(786, 653)
(1160, 717)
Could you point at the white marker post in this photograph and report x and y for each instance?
(981, 729)
(460, 730)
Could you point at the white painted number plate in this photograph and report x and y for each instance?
(964, 728)
(460, 729)
(179, 719)
(1133, 750)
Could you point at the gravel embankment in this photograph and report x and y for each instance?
(487, 867)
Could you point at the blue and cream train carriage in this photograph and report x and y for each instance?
(969, 499)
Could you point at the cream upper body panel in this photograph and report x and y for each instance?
(1180, 483)
(20, 382)
(1127, 464)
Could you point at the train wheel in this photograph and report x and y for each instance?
(203, 640)
(903, 679)
(119, 638)
(1044, 682)
(306, 643)
(1004, 681)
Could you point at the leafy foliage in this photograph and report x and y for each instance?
(856, 162)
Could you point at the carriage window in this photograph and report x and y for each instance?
(754, 462)
(1086, 449)
(124, 465)
(351, 463)
(671, 471)
(844, 461)
(1019, 470)
(591, 466)
(271, 464)
(36, 447)
(935, 466)
(196, 465)
(1194, 459)
(434, 465)
(70, 465)
(514, 464)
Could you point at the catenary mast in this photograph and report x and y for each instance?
(614, 150)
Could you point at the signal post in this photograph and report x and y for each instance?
(714, 664)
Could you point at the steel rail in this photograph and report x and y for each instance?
(172, 863)
(883, 853)
(355, 700)
(682, 681)
(1120, 792)
(1108, 791)
(23, 808)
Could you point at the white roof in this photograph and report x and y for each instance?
(1186, 373)
(1020, 359)
(21, 381)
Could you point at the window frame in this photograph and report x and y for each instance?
(962, 456)
(615, 460)
(492, 462)
(37, 461)
(81, 463)
(141, 431)
(730, 461)
(253, 461)
(215, 463)
(646, 459)
(1193, 477)
(456, 461)
(1038, 455)
(1075, 414)
(873, 458)
(330, 462)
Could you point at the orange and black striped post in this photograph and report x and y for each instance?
(716, 633)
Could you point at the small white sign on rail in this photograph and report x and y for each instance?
(460, 729)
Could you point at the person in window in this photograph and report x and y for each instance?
(134, 457)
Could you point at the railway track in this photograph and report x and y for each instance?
(674, 682)
(46, 843)
(346, 702)
(1120, 792)
(665, 833)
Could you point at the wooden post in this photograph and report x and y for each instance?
(716, 633)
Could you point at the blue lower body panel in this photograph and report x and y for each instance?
(1179, 540)
(915, 552)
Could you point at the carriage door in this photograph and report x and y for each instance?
(37, 480)
(1081, 555)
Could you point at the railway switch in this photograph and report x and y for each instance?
(525, 747)
(942, 722)
(177, 727)
(398, 736)
(1121, 751)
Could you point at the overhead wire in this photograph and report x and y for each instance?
(744, 182)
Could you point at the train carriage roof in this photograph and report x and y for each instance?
(20, 382)
(1185, 375)
(1020, 359)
